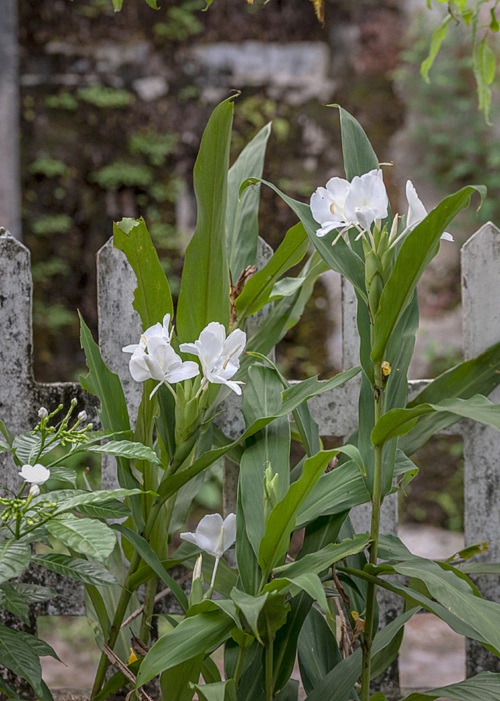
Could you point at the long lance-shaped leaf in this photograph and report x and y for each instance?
(358, 153)
(400, 421)
(417, 250)
(258, 289)
(20, 653)
(174, 482)
(282, 518)
(152, 560)
(152, 297)
(106, 386)
(339, 682)
(477, 376)
(204, 294)
(320, 560)
(483, 687)
(242, 216)
(191, 637)
(339, 257)
(286, 312)
(76, 568)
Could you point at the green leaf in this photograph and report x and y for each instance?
(484, 67)
(117, 5)
(477, 376)
(259, 288)
(84, 535)
(152, 297)
(335, 492)
(149, 556)
(308, 582)
(438, 36)
(173, 483)
(312, 387)
(318, 650)
(14, 559)
(338, 684)
(242, 225)
(340, 257)
(191, 637)
(19, 652)
(270, 449)
(417, 250)
(251, 607)
(76, 568)
(125, 449)
(17, 597)
(483, 687)
(458, 605)
(106, 385)
(359, 156)
(285, 313)
(99, 497)
(204, 294)
(319, 561)
(177, 682)
(64, 474)
(399, 421)
(113, 509)
(219, 691)
(282, 518)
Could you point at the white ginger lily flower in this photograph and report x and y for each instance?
(417, 211)
(327, 205)
(366, 200)
(214, 536)
(160, 363)
(157, 330)
(343, 204)
(219, 356)
(35, 474)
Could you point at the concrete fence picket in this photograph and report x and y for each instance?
(336, 412)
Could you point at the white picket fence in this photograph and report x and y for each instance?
(336, 412)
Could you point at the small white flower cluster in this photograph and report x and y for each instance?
(359, 203)
(154, 358)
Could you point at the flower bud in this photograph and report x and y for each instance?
(34, 490)
(82, 416)
(42, 413)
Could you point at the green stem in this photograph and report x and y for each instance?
(367, 642)
(269, 669)
(149, 603)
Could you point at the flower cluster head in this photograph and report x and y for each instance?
(219, 356)
(154, 357)
(358, 204)
(343, 204)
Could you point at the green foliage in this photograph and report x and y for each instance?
(123, 174)
(180, 22)
(156, 147)
(50, 167)
(455, 147)
(52, 224)
(104, 97)
(62, 101)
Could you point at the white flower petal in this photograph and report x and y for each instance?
(229, 528)
(138, 366)
(35, 474)
(213, 535)
(416, 209)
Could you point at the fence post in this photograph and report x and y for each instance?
(481, 328)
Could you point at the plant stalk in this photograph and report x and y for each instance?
(367, 642)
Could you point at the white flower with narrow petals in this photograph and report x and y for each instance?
(161, 363)
(214, 536)
(35, 474)
(157, 330)
(219, 356)
(417, 211)
(343, 204)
